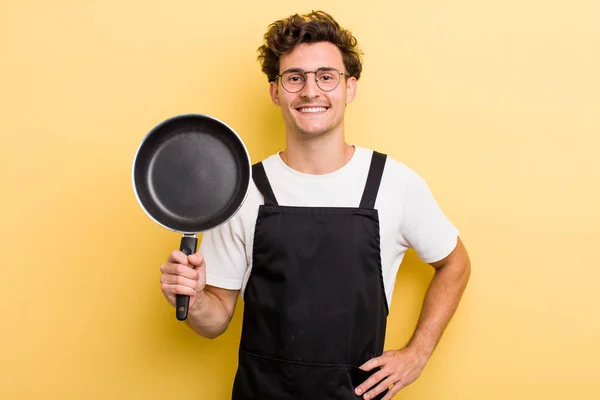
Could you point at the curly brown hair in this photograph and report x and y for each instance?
(316, 26)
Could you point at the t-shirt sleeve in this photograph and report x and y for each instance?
(224, 251)
(425, 227)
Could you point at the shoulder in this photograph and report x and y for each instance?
(395, 172)
(399, 183)
(270, 162)
(248, 211)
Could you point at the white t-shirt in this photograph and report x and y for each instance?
(409, 217)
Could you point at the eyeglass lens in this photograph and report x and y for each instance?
(294, 81)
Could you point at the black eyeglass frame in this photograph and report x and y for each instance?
(328, 69)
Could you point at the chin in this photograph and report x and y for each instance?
(312, 132)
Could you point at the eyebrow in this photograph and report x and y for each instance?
(302, 70)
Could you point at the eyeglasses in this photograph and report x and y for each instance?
(293, 80)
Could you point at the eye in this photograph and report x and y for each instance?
(326, 76)
(295, 78)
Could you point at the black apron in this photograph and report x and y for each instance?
(314, 306)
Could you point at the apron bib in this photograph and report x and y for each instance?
(314, 306)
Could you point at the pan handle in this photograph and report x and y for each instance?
(188, 246)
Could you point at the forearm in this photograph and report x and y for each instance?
(210, 316)
(440, 303)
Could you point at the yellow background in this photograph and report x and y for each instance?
(496, 104)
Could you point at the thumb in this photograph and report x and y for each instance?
(196, 259)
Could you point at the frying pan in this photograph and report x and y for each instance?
(191, 173)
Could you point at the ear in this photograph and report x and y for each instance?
(350, 89)
(274, 90)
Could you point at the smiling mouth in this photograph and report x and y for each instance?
(311, 110)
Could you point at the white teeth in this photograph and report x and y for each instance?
(312, 109)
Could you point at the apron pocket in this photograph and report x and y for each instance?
(358, 376)
(266, 378)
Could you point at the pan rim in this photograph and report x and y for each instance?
(152, 132)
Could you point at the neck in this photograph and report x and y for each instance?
(317, 155)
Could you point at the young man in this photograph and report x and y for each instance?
(316, 246)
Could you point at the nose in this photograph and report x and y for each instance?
(310, 89)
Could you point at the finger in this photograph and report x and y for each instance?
(372, 363)
(370, 382)
(395, 389)
(196, 259)
(380, 388)
(180, 270)
(177, 257)
(179, 280)
(177, 289)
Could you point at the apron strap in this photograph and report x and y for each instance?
(373, 180)
(262, 182)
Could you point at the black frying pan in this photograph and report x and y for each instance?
(191, 173)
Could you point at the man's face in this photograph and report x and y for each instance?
(312, 111)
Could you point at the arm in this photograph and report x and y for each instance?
(402, 367)
(441, 300)
(213, 311)
(211, 308)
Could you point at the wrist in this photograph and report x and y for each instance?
(421, 351)
(201, 302)
(197, 312)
